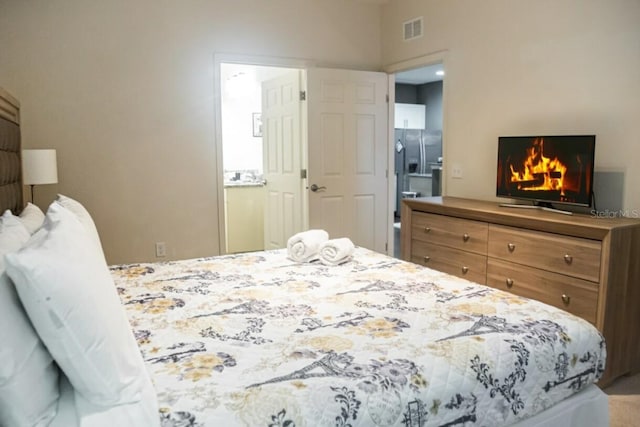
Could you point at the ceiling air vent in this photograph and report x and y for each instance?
(412, 29)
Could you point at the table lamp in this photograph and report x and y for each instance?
(39, 167)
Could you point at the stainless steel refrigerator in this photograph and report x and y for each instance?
(417, 153)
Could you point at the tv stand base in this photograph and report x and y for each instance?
(543, 206)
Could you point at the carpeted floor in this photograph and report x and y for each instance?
(624, 402)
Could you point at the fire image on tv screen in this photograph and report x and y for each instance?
(546, 169)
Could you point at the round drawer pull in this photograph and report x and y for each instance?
(427, 258)
(566, 299)
(465, 270)
(509, 283)
(568, 259)
(427, 229)
(511, 247)
(465, 237)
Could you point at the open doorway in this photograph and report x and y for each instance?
(351, 198)
(418, 148)
(243, 154)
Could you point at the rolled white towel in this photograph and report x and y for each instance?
(304, 246)
(336, 251)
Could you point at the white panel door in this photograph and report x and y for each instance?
(347, 152)
(282, 154)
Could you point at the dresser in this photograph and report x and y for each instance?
(585, 264)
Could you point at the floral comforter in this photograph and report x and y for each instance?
(258, 340)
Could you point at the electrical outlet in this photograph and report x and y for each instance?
(161, 249)
(456, 171)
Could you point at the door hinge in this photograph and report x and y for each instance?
(387, 98)
(303, 95)
(303, 173)
(386, 173)
(386, 247)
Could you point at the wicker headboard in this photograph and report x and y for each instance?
(10, 164)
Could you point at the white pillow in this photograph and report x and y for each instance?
(83, 215)
(143, 413)
(69, 294)
(74, 410)
(28, 376)
(32, 217)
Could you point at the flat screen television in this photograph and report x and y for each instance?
(546, 169)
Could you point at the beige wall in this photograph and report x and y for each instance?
(124, 91)
(529, 67)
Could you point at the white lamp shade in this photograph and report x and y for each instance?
(39, 167)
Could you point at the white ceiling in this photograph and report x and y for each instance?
(419, 76)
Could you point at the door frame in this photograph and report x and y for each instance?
(439, 57)
(231, 58)
(303, 64)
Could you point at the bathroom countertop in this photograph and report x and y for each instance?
(235, 184)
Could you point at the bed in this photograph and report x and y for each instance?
(257, 339)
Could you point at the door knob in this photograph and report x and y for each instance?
(315, 188)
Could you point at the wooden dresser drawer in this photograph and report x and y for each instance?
(572, 256)
(464, 234)
(459, 263)
(579, 297)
